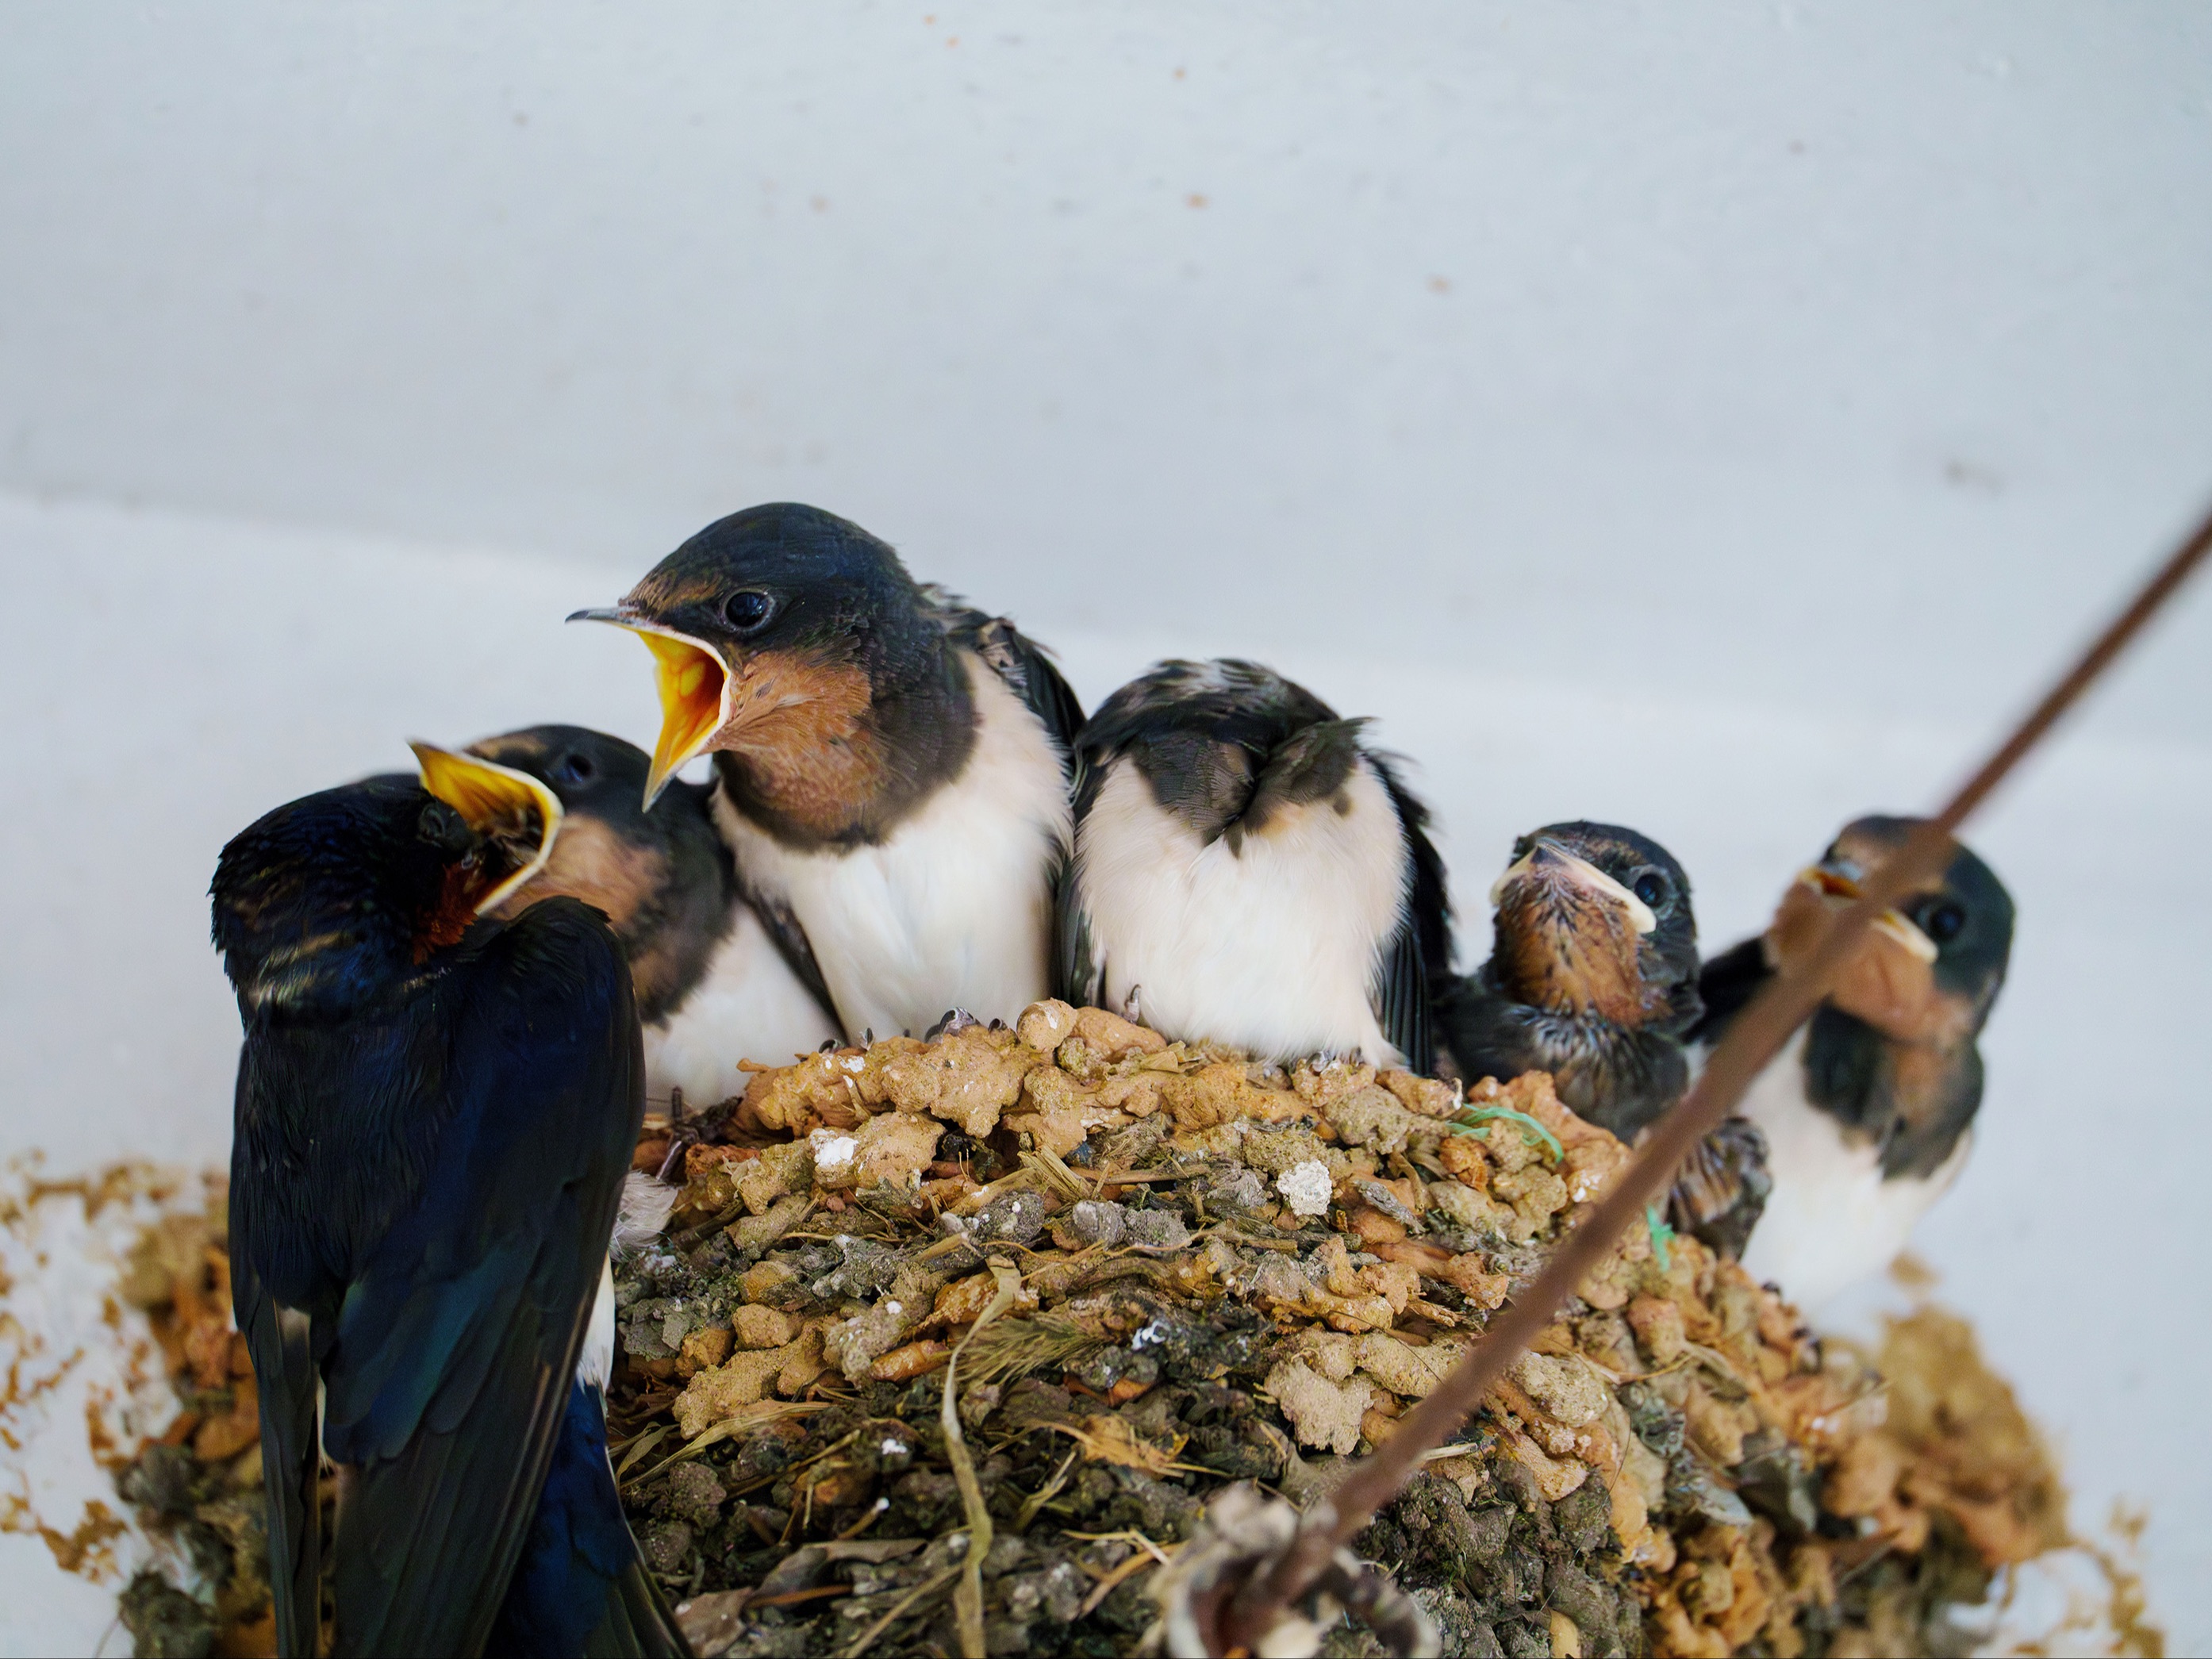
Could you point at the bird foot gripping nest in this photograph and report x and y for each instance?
(1242, 1538)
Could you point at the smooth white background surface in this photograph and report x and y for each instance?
(1716, 422)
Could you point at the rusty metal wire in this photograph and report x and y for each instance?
(1752, 1040)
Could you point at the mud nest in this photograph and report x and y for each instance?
(1165, 1269)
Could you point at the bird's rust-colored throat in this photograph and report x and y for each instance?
(1757, 1035)
(1569, 939)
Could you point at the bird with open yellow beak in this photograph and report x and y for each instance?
(1868, 1111)
(437, 1103)
(892, 770)
(713, 988)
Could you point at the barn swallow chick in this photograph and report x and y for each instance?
(1868, 1110)
(1592, 976)
(891, 769)
(434, 1114)
(1251, 873)
(712, 986)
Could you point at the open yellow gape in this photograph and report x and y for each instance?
(518, 816)
(694, 689)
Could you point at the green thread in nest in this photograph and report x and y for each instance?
(1531, 1131)
(1661, 1232)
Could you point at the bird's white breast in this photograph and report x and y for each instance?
(953, 909)
(1831, 1220)
(595, 1363)
(1273, 946)
(748, 1006)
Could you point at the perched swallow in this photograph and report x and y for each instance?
(1250, 873)
(712, 987)
(1868, 1112)
(434, 1116)
(1592, 975)
(891, 770)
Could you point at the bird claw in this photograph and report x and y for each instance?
(956, 1019)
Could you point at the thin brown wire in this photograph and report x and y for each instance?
(1752, 1040)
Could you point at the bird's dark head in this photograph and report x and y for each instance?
(335, 899)
(776, 632)
(1931, 967)
(1596, 920)
(1224, 745)
(591, 774)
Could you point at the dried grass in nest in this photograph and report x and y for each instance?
(1597, 1503)
(1016, 1347)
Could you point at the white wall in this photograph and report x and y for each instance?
(1664, 347)
(1714, 421)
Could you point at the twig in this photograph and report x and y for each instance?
(1130, 1177)
(1106, 1586)
(927, 1587)
(790, 1598)
(1036, 1500)
(751, 1416)
(1756, 1035)
(634, 1448)
(1127, 1535)
(968, 1600)
(1056, 1173)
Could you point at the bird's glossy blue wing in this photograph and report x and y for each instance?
(453, 1350)
(279, 1341)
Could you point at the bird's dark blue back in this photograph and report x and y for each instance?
(424, 1180)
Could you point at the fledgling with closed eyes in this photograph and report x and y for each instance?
(1250, 872)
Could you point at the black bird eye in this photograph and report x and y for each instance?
(1654, 889)
(747, 609)
(575, 768)
(1940, 921)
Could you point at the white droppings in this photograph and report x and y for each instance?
(832, 1150)
(1153, 1332)
(893, 1447)
(854, 1063)
(1307, 1186)
(894, 1307)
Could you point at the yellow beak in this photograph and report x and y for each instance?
(511, 809)
(694, 692)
